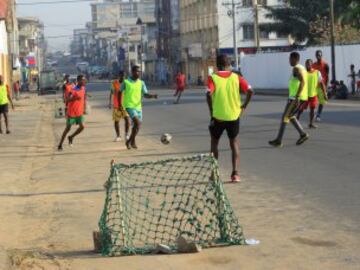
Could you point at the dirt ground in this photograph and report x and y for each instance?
(51, 202)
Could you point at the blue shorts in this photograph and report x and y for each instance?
(135, 113)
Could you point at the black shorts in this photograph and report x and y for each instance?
(4, 108)
(217, 128)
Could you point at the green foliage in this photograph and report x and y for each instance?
(296, 17)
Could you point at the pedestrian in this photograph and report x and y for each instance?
(315, 85)
(5, 99)
(322, 66)
(76, 103)
(180, 81)
(133, 90)
(225, 106)
(352, 76)
(298, 95)
(116, 103)
(16, 90)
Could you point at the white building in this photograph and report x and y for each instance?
(206, 27)
(250, 38)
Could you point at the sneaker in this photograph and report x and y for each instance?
(70, 141)
(276, 143)
(313, 126)
(117, 139)
(235, 178)
(318, 119)
(127, 137)
(303, 138)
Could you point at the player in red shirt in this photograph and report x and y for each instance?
(180, 86)
(322, 66)
(75, 101)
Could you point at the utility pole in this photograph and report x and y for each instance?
(234, 34)
(256, 25)
(232, 13)
(332, 29)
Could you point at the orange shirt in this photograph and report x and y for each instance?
(116, 89)
(76, 107)
(180, 81)
(323, 67)
(68, 88)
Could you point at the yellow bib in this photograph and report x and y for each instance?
(294, 84)
(133, 94)
(226, 99)
(3, 95)
(313, 83)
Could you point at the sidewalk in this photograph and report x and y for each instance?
(53, 202)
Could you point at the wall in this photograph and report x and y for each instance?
(4, 59)
(272, 70)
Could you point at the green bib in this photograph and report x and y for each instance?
(226, 99)
(133, 94)
(294, 84)
(3, 95)
(313, 83)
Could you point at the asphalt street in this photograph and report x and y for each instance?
(325, 170)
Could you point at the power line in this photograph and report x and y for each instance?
(53, 2)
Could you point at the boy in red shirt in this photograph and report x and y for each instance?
(180, 86)
(75, 101)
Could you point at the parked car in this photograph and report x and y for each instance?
(48, 83)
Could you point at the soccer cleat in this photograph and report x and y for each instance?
(276, 143)
(313, 126)
(127, 137)
(303, 138)
(318, 119)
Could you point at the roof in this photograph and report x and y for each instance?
(3, 8)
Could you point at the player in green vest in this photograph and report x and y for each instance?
(224, 101)
(5, 98)
(298, 96)
(315, 85)
(133, 90)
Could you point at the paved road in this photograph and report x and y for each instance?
(325, 170)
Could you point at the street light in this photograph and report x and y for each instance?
(140, 22)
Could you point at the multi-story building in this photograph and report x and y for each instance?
(9, 50)
(129, 26)
(168, 53)
(32, 48)
(206, 28)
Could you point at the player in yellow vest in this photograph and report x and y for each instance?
(224, 101)
(133, 90)
(298, 95)
(5, 98)
(315, 85)
(115, 102)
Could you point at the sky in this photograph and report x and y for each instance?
(59, 19)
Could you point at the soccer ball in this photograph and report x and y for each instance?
(165, 138)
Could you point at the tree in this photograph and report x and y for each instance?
(296, 16)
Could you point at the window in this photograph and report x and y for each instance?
(248, 31)
(247, 3)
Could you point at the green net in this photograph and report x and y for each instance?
(156, 202)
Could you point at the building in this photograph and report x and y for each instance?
(32, 49)
(167, 50)
(4, 43)
(124, 33)
(203, 36)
